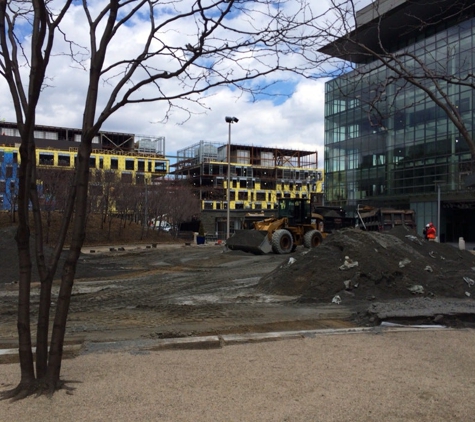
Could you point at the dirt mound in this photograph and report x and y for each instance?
(352, 264)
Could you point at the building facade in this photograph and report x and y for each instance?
(132, 159)
(389, 144)
(258, 177)
(8, 177)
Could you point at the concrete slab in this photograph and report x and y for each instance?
(11, 355)
(207, 342)
(230, 339)
(213, 342)
(422, 308)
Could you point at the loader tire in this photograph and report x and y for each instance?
(312, 239)
(282, 242)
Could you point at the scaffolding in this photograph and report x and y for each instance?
(206, 152)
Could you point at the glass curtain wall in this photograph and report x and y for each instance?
(388, 141)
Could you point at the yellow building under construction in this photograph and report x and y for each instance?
(132, 159)
(258, 177)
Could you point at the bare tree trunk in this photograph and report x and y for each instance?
(69, 269)
(25, 266)
(46, 277)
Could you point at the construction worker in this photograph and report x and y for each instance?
(424, 232)
(431, 232)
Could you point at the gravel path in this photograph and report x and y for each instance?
(404, 376)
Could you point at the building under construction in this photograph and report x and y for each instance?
(131, 158)
(258, 177)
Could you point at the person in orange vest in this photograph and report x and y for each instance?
(431, 232)
(424, 232)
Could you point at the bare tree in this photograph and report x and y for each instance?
(15, 17)
(227, 43)
(96, 191)
(157, 203)
(183, 203)
(52, 193)
(126, 195)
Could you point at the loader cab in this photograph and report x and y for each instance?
(296, 210)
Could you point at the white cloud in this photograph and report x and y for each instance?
(296, 123)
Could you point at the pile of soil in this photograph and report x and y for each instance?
(355, 265)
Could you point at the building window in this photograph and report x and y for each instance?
(92, 162)
(243, 196)
(208, 205)
(269, 185)
(39, 134)
(260, 196)
(8, 172)
(11, 132)
(2, 185)
(114, 163)
(353, 131)
(64, 160)
(46, 159)
(141, 165)
(129, 165)
(101, 163)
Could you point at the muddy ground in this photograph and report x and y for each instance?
(354, 278)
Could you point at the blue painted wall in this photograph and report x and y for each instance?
(8, 178)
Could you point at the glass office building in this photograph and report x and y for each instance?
(386, 142)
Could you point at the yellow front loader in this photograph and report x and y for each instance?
(294, 226)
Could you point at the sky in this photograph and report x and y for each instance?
(293, 120)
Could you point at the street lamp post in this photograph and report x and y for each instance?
(438, 183)
(230, 121)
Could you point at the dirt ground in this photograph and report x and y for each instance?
(174, 291)
(354, 278)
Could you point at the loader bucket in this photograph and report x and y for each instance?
(253, 241)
